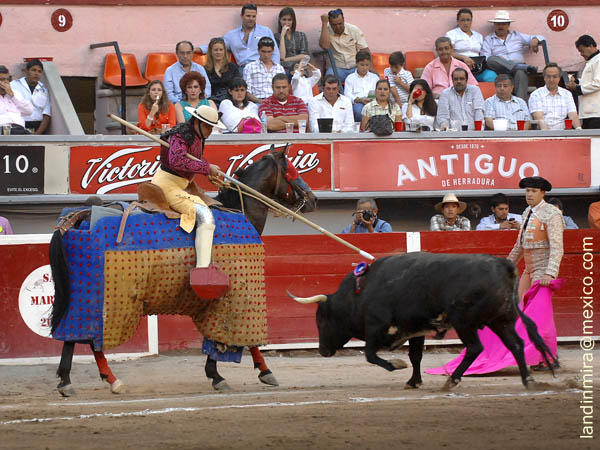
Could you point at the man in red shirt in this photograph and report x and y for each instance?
(282, 108)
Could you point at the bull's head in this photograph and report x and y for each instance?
(333, 331)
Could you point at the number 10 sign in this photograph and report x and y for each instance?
(557, 20)
(61, 20)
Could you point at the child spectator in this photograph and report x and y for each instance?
(399, 78)
(360, 85)
(302, 84)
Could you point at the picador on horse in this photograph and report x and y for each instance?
(229, 258)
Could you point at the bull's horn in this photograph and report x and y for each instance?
(307, 300)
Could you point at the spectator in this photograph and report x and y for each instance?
(461, 102)
(399, 78)
(449, 219)
(32, 89)
(155, 109)
(331, 104)
(345, 41)
(438, 73)
(360, 83)
(588, 87)
(467, 46)
(594, 215)
(5, 226)
(568, 222)
(366, 220)
(219, 69)
(503, 50)
(259, 74)
(381, 105)
(504, 105)
(242, 41)
(421, 108)
(293, 45)
(237, 109)
(552, 104)
(13, 107)
(282, 108)
(501, 218)
(185, 52)
(302, 85)
(192, 86)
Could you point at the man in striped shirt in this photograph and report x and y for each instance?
(504, 105)
(282, 108)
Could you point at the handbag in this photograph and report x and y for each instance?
(381, 124)
(480, 65)
(250, 125)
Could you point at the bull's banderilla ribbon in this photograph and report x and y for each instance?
(263, 197)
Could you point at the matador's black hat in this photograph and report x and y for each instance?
(536, 182)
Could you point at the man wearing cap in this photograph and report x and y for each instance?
(503, 50)
(540, 240)
(180, 162)
(449, 219)
(588, 86)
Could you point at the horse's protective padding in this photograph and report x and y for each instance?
(112, 285)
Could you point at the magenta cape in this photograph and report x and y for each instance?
(495, 356)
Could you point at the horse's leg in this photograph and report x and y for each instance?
(116, 385)
(265, 375)
(218, 382)
(64, 369)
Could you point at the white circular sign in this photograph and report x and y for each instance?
(36, 298)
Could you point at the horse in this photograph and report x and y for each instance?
(272, 175)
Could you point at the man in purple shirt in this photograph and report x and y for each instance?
(5, 226)
(503, 50)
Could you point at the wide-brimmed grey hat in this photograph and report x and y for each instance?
(206, 114)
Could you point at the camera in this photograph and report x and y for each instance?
(366, 215)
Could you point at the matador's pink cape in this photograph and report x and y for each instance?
(495, 356)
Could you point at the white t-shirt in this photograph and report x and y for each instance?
(417, 117)
(40, 98)
(302, 86)
(357, 86)
(464, 44)
(232, 115)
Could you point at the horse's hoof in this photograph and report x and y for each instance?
(529, 383)
(67, 390)
(450, 384)
(398, 364)
(409, 385)
(222, 386)
(267, 377)
(117, 387)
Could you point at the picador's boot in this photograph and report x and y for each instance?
(207, 280)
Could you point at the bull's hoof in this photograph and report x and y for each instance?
(66, 391)
(450, 384)
(398, 364)
(267, 377)
(222, 386)
(412, 385)
(529, 383)
(117, 387)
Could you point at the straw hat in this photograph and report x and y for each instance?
(501, 17)
(206, 114)
(451, 198)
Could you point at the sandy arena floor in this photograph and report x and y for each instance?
(337, 403)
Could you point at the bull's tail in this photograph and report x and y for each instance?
(60, 275)
(532, 331)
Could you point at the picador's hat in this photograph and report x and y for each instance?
(206, 114)
(536, 182)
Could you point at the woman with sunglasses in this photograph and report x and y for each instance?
(293, 45)
(221, 71)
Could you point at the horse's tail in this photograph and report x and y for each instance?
(532, 331)
(60, 275)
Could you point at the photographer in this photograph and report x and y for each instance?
(366, 220)
(501, 219)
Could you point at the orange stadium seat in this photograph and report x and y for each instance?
(157, 63)
(417, 60)
(380, 62)
(199, 58)
(488, 89)
(112, 72)
(316, 90)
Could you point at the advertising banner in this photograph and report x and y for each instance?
(118, 169)
(22, 169)
(459, 164)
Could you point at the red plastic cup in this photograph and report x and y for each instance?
(568, 124)
(417, 93)
(520, 125)
(478, 125)
(399, 126)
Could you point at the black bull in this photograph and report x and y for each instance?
(405, 297)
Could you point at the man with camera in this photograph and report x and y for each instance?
(366, 220)
(500, 219)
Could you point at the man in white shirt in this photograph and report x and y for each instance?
(588, 87)
(32, 89)
(331, 104)
(500, 219)
(360, 83)
(13, 107)
(552, 104)
(185, 54)
(259, 74)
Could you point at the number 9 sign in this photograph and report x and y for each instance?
(61, 20)
(557, 20)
